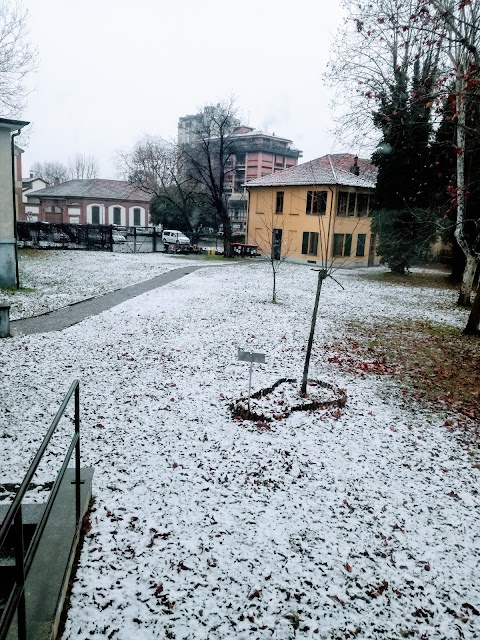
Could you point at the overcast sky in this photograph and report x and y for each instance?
(113, 70)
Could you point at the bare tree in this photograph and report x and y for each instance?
(329, 262)
(82, 167)
(209, 160)
(273, 238)
(158, 168)
(457, 27)
(377, 43)
(17, 57)
(50, 171)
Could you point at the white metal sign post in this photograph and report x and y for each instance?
(251, 357)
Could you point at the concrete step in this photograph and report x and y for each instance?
(47, 582)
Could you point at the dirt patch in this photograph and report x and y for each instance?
(282, 398)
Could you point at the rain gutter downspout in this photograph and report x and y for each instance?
(15, 235)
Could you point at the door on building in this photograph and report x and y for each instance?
(277, 244)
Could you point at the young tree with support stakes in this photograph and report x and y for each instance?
(273, 238)
(327, 267)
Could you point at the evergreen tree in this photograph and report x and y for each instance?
(402, 215)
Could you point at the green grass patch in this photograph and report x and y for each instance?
(426, 278)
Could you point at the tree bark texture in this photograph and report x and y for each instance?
(322, 274)
(464, 298)
(473, 324)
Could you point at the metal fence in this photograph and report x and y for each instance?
(96, 237)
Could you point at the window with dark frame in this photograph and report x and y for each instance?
(277, 244)
(351, 204)
(363, 201)
(136, 217)
(361, 241)
(279, 204)
(342, 205)
(337, 245)
(342, 245)
(117, 215)
(95, 214)
(310, 243)
(316, 203)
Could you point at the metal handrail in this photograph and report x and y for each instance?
(14, 514)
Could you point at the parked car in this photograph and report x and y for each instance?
(172, 236)
(117, 237)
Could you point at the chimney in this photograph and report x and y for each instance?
(355, 169)
(31, 174)
(56, 181)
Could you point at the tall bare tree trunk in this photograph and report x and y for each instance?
(227, 237)
(464, 298)
(473, 324)
(465, 295)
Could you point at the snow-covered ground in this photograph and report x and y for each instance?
(353, 523)
(53, 279)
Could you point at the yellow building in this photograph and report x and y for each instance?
(315, 212)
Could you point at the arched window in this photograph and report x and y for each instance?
(95, 214)
(136, 217)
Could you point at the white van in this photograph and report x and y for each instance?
(170, 236)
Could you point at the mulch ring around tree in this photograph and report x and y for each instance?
(283, 398)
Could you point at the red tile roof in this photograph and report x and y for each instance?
(330, 169)
(93, 188)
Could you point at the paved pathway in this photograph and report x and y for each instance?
(67, 316)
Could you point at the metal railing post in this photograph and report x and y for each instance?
(77, 450)
(20, 573)
(13, 520)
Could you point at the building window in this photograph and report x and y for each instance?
(310, 243)
(342, 245)
(351, 204)
(363, 202)
(316, 202)
(95, 214)
(277, 244)
(279, 205)
(117, 215)
(361, 240)
(136, 217)
(342, 203)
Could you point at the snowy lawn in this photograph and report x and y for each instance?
(353, 523)
(53, 279)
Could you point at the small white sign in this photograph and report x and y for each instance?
(250, 356)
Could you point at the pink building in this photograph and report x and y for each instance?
(92, 201)
(257, 154)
